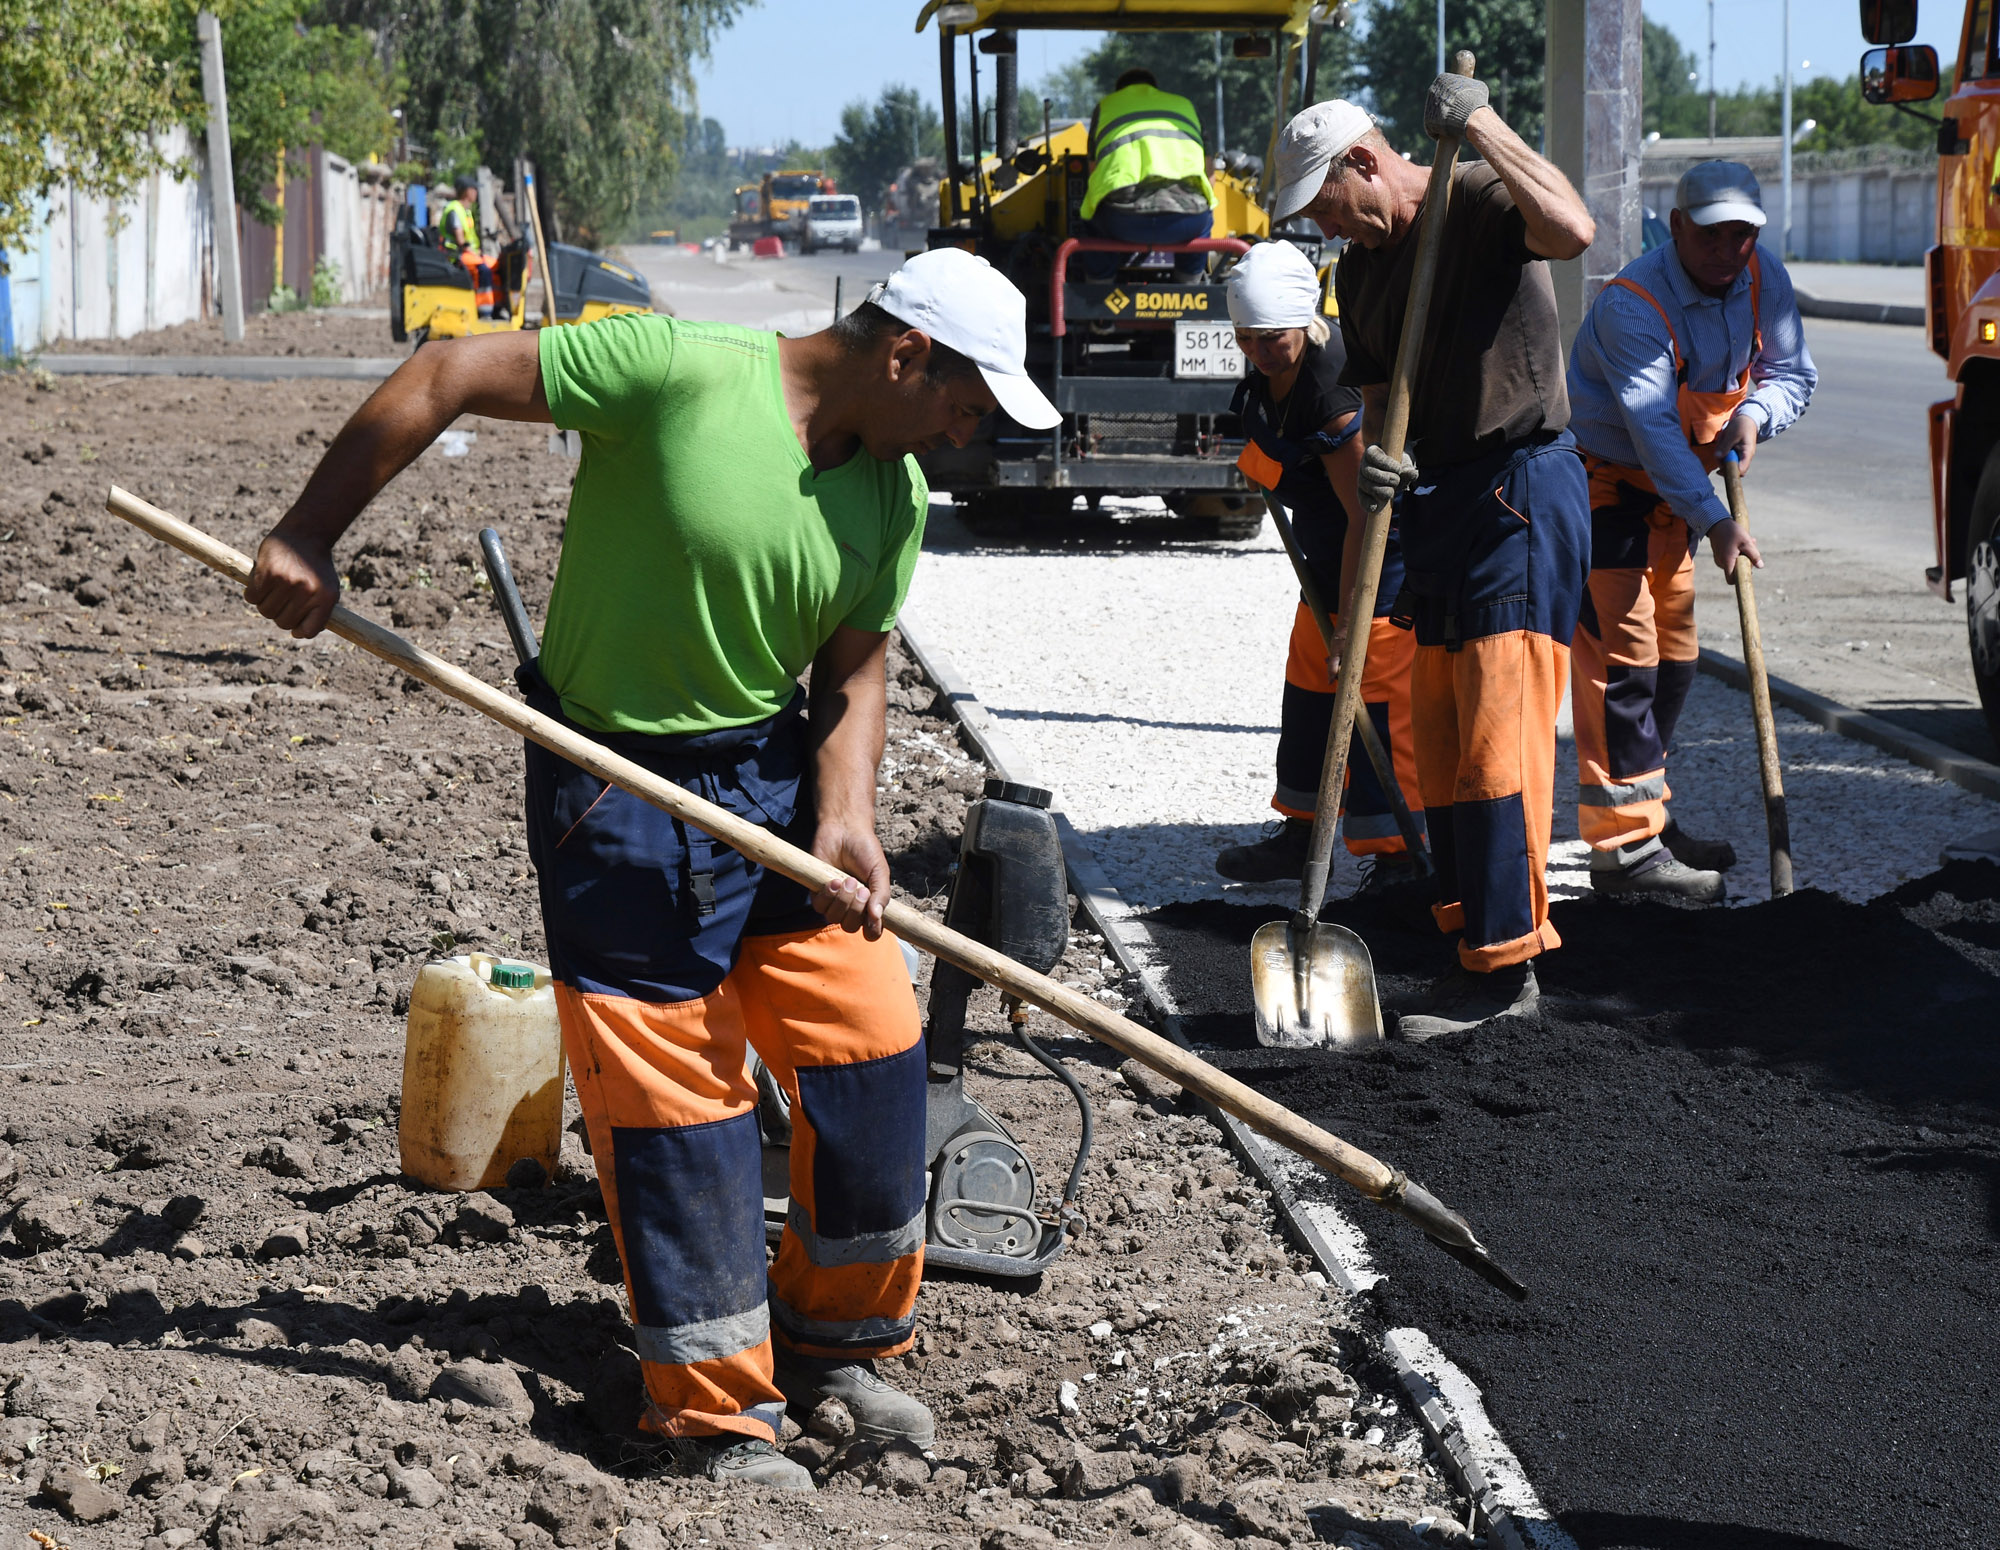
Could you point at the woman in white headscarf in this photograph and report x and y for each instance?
(1302, 444)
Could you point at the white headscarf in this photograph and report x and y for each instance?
(1274, 285)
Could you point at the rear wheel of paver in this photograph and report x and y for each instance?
(1230, 518)
(1982, 590)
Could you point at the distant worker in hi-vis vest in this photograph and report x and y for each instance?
(458, 230)
(1148, 175)
(1695, 351)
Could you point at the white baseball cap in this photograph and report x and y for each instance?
(1712, 192)
(1311, 143)
(966, 304)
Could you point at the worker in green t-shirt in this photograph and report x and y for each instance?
(747, 507)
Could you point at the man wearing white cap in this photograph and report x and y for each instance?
(1495, 528)
(1694, 353)
(1302, 442)
(747, 507)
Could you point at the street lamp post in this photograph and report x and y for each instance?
(1785, 149)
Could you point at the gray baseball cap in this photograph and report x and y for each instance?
(1712, 192)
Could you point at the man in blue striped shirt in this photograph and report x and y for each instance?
(1693, 353)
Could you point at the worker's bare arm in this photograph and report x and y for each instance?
(849, 710)
(499, 375)
(1559, 226)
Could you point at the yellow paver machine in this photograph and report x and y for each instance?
(1143, 364)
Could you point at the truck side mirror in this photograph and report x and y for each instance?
(1888, 21)
(1906, 73)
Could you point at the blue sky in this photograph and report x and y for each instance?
(787, 67)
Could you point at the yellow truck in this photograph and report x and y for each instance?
(1143, 365)
(776, 206)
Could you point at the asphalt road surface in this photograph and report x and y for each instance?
(1841, 503)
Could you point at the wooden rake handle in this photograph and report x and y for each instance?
(1375, 534)
(1777, 821)
(1372, 1177)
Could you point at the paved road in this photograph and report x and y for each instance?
(1842, 501)
(793, 294)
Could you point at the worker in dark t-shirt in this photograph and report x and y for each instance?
(1302, 443)
(1496, 526)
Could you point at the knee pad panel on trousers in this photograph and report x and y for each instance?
(692, 1223)
(867, 1124)
(1632, 742)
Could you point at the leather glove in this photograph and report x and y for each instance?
(1452, 100)
(1382, 478)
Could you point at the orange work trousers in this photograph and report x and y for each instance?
(1368, 823)
(674, 1132)
(1635, 657)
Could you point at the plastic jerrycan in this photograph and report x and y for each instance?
(482, 1072)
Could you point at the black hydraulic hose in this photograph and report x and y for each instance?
(1061, 1072)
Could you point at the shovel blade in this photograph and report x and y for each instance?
(1332, 1003)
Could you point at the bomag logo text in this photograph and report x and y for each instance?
(1168, 303)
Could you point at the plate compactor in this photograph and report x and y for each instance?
(1011, 892)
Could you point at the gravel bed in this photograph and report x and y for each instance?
(1142, 679)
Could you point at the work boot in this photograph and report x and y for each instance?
(737, 1460)
(1388, 874)
(1463, 999)
(1280, 856)
(1649, 871)
(1702, 855)
(879, 1411)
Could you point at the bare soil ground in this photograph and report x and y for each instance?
(226, 1319)
(316, 331)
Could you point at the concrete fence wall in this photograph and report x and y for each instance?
(1862, 215)
(97, 270)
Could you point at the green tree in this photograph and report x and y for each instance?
(1397, 57)
(290, 86)
(596, 92)
(1673, 105)
(875, 143)
(82, 89)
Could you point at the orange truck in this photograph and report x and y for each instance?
(1961, 302)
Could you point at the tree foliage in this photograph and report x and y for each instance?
(1397, 57)
(1676, 106)
(83, 87)
(595, 92)
(292, 85)
(875, 143)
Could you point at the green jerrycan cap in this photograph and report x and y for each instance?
(513, 976)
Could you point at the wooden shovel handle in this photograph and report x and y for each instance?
(1372, 1177)
(1375, 535)
(1777, 821)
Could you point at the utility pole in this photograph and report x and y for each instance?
(1785, 129)
(1221, 140)
(1440, 37)
(221, 177)
(1711, 69)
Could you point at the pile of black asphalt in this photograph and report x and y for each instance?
(1749, 1166)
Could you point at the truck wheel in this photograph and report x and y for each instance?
(1982, 590)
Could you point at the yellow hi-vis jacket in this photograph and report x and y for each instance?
(458, 228)
(1141, 133)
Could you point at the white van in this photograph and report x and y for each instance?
(832, 221)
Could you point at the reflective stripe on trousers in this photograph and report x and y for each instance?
(1635, 657)
(1367, 824)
